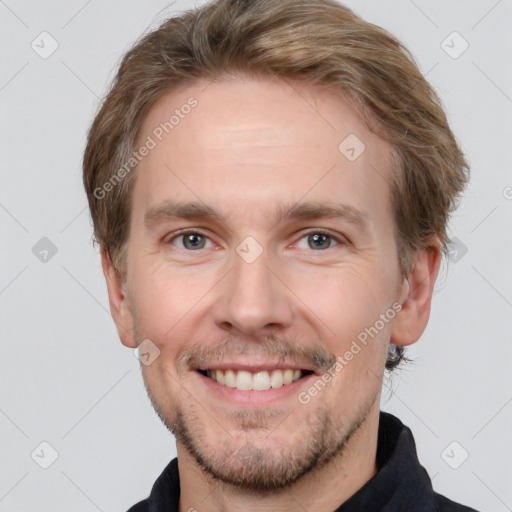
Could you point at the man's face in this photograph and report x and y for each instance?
(234, 271)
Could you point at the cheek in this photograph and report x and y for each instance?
(346, 299)
(163, 295)
(349, 303)
(159, 305)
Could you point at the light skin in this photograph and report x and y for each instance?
(250, 149)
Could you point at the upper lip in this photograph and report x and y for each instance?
(253, 367)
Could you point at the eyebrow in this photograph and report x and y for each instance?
(169, 210)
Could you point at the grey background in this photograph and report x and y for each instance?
(64, 376)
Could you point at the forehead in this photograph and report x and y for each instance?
(234, 142)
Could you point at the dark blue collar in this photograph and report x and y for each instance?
(400, 485)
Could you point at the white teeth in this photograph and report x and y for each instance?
(244, 380)
(277, 379)
(219, 377)
(229, 378)
(287, 376)
(259, 381)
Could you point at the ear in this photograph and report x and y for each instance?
(119, 306)
(416, 296)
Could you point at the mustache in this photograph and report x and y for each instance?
(265, 347)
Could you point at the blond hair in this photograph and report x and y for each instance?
(319, 42)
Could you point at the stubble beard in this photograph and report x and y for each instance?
(242, 461)
(248, 465)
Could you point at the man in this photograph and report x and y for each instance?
(270, 184)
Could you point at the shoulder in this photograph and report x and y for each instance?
(165, 493)
(446, 505)
(142, 506)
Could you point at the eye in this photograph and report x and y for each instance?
(191, 241)
(317, 241)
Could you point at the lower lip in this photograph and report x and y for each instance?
(255, 398)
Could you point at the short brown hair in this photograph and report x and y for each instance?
(319, 42)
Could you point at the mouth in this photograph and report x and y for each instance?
(261, 380)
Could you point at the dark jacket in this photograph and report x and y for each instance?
(400, 485)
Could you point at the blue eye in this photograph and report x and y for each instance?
(318, 241)
(191, 241)
(194, 241)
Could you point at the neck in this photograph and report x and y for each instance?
(325, 488)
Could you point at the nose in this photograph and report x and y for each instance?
(252, 299)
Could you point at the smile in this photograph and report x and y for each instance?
(256, 381)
